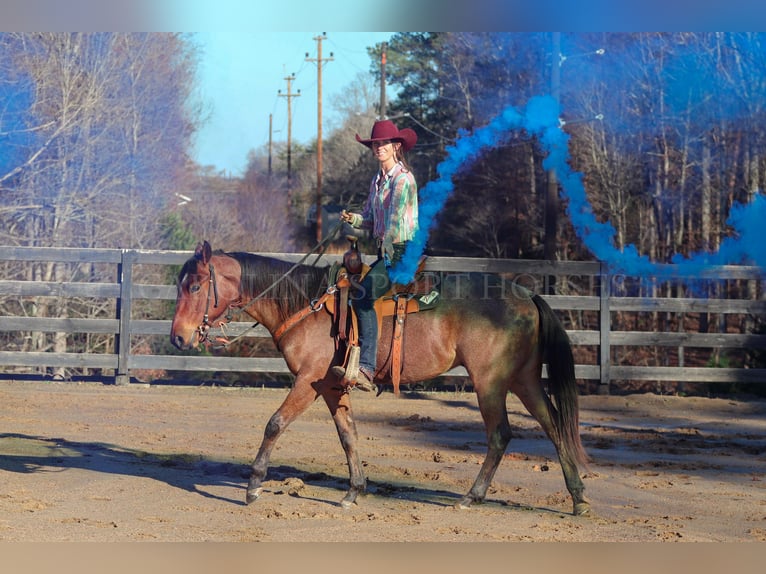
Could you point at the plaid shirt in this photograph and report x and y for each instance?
(391, 209)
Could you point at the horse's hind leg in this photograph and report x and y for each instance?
(539, 406)
(493, 411)
(297, 401)
(340, 407)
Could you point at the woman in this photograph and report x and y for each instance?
(391, 213)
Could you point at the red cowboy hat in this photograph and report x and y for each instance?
(386, 130)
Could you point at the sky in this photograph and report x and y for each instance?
(240, 75)
(250, 46)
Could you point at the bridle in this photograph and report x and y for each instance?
(212, 291)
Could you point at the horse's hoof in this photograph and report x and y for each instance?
(465, 503)
(349, 500)
(252, 495)
(581, 509)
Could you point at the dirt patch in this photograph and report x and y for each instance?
(92, 462)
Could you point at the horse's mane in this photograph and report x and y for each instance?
(291, 293)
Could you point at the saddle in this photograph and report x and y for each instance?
(396, 304)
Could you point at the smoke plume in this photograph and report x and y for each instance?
(541, 118)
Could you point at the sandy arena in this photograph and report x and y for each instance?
(94, 462)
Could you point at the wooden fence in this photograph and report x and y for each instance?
(587, 297)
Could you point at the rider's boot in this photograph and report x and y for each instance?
(351, 376)
(362, 380)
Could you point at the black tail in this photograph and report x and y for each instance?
(562, 386)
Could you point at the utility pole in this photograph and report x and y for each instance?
(289, 97)
(552, 192)
(270, 132)
(383, 80)
(319, 61)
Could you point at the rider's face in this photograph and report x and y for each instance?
(384, 151)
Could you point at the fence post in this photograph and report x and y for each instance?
(124, 307)
(605, 325)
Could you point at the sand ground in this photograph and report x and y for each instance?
(94, 462)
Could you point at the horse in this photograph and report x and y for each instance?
(501, 341)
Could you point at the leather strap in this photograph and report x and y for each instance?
(342, 283)
(296, 318)
(342, 314)
(396, 342)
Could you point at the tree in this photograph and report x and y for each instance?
(106, 128)
(99, 125)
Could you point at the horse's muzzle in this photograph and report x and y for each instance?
(180, 343)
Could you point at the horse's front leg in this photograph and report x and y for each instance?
(497, 442)
(339, 403)
(300, 397)
(491, 397)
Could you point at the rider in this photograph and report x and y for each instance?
(391, 213)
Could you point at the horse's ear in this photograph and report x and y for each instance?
(203, 252)
(207, 250)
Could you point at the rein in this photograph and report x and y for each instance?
(313, 306)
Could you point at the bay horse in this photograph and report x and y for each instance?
(501, 341)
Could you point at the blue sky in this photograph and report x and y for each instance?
(250, 46)
(240, 75)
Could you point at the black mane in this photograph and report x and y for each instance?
(291, 293)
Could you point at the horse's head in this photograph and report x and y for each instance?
(208, 285)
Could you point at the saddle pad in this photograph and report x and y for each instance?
(386, 306)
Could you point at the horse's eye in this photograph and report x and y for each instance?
(194, 288)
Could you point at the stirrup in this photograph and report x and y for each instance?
(361, 381)
(350, 373)
(339, 371)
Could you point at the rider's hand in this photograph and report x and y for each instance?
(348, 217)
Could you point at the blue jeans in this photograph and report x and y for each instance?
(374, 285)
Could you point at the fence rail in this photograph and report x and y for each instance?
(604, 301)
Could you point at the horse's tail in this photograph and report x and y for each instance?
(562, 385)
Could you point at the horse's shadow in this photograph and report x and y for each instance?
(26, 454)
(390, 490)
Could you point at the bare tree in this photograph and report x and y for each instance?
(99, 126)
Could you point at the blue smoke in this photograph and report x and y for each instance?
(541, 117)
(435, 194)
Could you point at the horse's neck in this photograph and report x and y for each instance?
(290, 290)
(266, 313)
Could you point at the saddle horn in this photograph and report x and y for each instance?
(352, 259)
